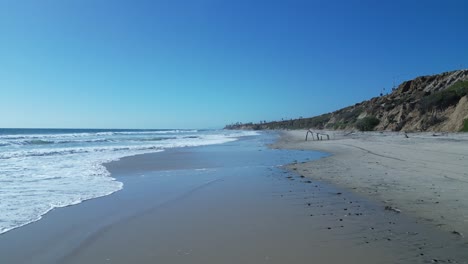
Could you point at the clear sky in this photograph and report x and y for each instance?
(206, 63)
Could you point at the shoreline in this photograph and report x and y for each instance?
(424, 176)
(283, 205)
(50, 168)
(227, 203)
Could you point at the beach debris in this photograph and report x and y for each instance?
(318, 135)
(457, 233)
(390, 208)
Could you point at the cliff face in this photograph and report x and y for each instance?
(428, 103)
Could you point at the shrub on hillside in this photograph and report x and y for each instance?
(368, 123)
(465, 126)
(443, 99)
(351, 115)
(313, 122)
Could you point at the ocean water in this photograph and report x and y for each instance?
(42, 169)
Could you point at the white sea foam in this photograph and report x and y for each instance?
(58, 170)
(97, 134)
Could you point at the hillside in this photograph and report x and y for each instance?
(427, 103)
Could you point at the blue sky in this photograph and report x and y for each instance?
(206, 63)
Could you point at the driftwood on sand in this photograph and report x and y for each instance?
(319, 136)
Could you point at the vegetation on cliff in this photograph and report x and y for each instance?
(367, 123)
(427, 103)
(441, 100)
(465, 126)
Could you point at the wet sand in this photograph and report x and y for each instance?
(230, 203)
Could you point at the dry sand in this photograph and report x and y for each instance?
(425, 175)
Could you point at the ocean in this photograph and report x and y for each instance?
(42, 169)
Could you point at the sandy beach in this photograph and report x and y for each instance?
(425, 175)
(169, 132)
(230, 203)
